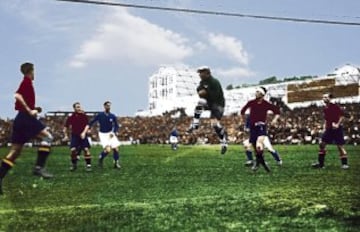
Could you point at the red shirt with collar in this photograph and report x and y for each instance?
(332, 113)
(27, 91)
(258, 110)
(77, 121)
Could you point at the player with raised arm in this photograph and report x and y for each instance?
(258, 113)
(211, 98)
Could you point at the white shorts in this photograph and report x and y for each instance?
(173, 139)
(246, 143)
(267, 144)
(107, 140)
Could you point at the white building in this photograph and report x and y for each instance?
(171, 88)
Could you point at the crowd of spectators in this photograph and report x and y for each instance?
(297, 126)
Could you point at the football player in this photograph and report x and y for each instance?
(174, 139)
(267, 144)
(108, 134)
(334, 117)
(27, 126)
(211, 97)
(258, 113)
(77, 122)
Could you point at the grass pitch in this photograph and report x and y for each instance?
(191, 189)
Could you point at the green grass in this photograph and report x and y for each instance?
(192, 189)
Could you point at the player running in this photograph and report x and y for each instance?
(108, 134)
(26, 126)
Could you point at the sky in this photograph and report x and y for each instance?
(91, 53)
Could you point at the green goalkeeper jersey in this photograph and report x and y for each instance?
(215, 95)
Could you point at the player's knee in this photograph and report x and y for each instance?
(247, 148)
(73, 153)
(107, 149)
(218, 129)
(259, 147)
(216, 124)
(202, 102)
(322, 145)
(341, 148)
(87, 154)
(44, 148)
(15, 150)
(47, 140)
(13, 154)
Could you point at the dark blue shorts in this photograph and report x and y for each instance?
(25, 127)
(256, 131)
(335, 136)
(79, 143)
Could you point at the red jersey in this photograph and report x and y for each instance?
(27, 91)
(77, 121)
(332, 113)
(258, 110)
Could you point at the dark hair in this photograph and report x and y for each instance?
(204, 71)
(26, 68)
(107, 102)
(75, 104)
(265, 90)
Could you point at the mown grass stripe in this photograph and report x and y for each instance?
(139, 205)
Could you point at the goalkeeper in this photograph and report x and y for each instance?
(211, 98)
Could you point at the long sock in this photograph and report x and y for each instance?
(6, 165)
(220, 131)
(197, 112)
(196, 119)
(73, 155)
(78, 152)
(260, 158)
(102, 155)
(74, 162)
(116, 155)
(343, 158)
(196, 123)
(249, 155)
(344, 161)
(43, 154)
(257, 160)
(276, 156)
(321, 157)
(88, 158)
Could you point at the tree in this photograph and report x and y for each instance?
(269, 80)
(229, 87)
